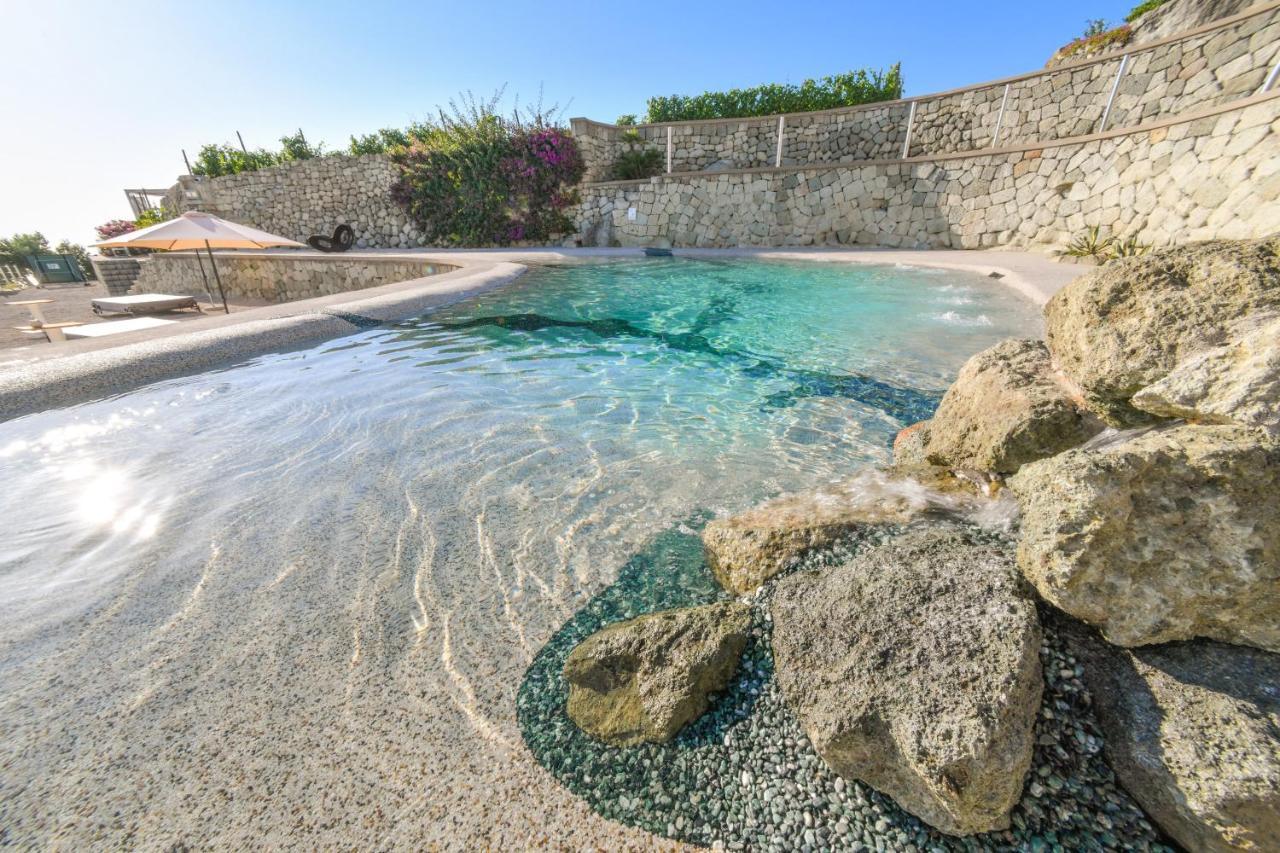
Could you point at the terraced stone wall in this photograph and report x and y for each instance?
(1213, 177)
(1162, 79)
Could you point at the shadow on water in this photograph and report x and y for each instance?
(906, 405)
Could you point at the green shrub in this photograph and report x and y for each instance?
(216, 160)
(1096, 43)
(16, 248)
(1143, 8)
(638, 163)
(841, 90)
(625, 120)
(296, 147)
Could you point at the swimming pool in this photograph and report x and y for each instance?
(291, 602)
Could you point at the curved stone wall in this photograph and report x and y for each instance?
(1213, 174)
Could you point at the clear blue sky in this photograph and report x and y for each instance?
(99, 96)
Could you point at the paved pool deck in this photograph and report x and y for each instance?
(40, 378)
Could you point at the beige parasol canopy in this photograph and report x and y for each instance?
(196, 230)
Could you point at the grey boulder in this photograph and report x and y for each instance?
(1192, 731)
(646, 678)
(1165, 535)
(915, 668)
(1005, 409)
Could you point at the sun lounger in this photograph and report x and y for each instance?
(143, 303)
(116, 327)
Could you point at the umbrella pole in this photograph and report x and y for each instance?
(203, 277)
(217, 278)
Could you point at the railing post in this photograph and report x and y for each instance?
(669, 149)
(995, 139)
(1271, 78)
(777, 157)
(911, 120)
(1111, 99)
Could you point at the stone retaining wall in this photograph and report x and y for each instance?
(1213, 177)
(299, 199)
(1227, 63)
(281, 277)
(118, 274)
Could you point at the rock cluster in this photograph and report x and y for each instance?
(913, 665)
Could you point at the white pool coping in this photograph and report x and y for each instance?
(82, 370)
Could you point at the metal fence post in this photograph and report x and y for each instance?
(1271, 78)
(669, 149)
(777, 157)
(911, 120)
(1111, 99)
(995, 139)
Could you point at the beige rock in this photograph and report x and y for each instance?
(646, 678)
(910, 443)
(1192, 731)
(1006, 409)
(1166, 535)
(747, 549)
(915, 668)
(1128, 324)
(1237, 383)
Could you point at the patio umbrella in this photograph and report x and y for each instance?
(195, 230)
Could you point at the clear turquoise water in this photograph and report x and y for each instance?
(288, 548)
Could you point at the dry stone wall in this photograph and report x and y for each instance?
(1214, 177)
(309, 197)
(279, 278)
(1181, 15)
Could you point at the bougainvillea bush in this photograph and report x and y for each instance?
(115, 228)
(481, 179)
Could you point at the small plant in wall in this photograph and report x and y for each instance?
(1093, 246)
(636, 161)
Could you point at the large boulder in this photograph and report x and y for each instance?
(644, 679)
(1128, 324)
(1165, 535)
(1192, 731)
(749, 548)
(915, 668)
(1005, 409)
(1238, 383)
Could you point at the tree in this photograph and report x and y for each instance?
(20, 245)
(66, 247)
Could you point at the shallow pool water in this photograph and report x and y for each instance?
(291, 602)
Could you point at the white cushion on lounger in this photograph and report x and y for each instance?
(115, 327)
